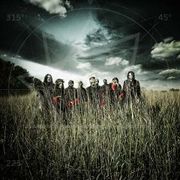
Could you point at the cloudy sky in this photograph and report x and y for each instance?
(82, 38)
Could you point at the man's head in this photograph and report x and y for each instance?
(71, 83)
(115, 80)
(131, 75)
(105, 81)
(59, 83)
(97, 82)
(48, 78)
(92, 81)
(80, 84)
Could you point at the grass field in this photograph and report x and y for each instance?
(141, 142)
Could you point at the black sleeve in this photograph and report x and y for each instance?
(124, 87)
(85, 95)
(76, 94)
(138, 89)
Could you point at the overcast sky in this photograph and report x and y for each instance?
(105, 39)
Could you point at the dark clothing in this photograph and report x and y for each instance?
(93, 95)
(131, 90)
(115, 92)
(105, 95)
(105, 89)
(82, 97)
(70, 96)
(58, 99)
(45, 94)
(48, 89)
(82, 94)
(70, 102)
(59, 92)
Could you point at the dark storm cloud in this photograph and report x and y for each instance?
(111, 49)
(35, 45)
(114, 53)
(99, 36)
(120, 21)
(111, 45)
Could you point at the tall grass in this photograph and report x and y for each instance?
(136, 142)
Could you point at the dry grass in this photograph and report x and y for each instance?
(124, 143)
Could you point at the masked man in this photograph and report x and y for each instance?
(93, 92)
(81, 92)
(105, 93)
(71, 95)
(115, 91)
(59, 95)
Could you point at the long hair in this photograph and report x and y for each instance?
(133, 74)
(45, 79)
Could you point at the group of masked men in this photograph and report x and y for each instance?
(109, 94)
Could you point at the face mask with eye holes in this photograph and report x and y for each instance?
(48, 79)
(60, 85)
(92, 82)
